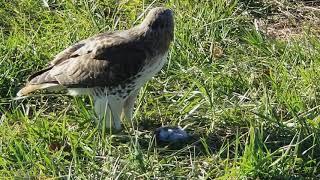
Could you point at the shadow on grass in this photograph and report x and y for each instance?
(200, 144)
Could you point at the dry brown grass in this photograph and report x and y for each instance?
(289, 19)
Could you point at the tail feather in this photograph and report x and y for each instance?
(40, 80)
(34, 87)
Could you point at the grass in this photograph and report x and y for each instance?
(251, 101)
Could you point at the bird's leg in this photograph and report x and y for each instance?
(102, 111)
(127, 110)
(116, 105)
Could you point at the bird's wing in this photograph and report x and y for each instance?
(105, 60)
(65, 54)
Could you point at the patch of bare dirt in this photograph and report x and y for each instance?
(290, 19)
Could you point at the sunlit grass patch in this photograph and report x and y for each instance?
(250, 101)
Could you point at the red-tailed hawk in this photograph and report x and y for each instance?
(112, 67)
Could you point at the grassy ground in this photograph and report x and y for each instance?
(250, 98)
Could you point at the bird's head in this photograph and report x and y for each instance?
(159, 19)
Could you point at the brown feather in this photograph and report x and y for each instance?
(31, 88)
(38, 73)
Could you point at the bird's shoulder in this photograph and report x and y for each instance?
(96, 46)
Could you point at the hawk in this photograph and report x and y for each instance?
(111, 67)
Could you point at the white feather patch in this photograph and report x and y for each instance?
(79, 91)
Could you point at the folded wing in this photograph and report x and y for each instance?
(100, 61)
